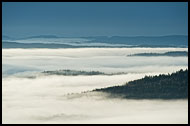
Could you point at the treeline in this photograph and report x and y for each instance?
(171, 86)
(75, 73)
(172, 53)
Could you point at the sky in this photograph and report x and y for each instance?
(72, 19)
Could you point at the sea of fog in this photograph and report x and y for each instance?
(31, 97)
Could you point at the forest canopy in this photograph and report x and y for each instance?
(171, 86)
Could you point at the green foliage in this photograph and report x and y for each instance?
(171, 86)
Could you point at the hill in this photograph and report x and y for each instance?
(113, 41)
(170, 40)
(172, 53)
(171, 86)
(78, 72)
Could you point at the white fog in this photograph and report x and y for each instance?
(53, 98)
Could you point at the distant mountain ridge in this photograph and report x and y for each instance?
(42, 36)
(136, 41)
(56, 46)
(5, 37)
(145, 40)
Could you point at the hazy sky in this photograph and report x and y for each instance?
(94, 18)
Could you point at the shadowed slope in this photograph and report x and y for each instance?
(171, 86)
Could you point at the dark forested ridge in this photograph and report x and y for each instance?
(78, 72)
(72, 72)
(172, 53)
(171, 86)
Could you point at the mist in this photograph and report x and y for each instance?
(28, 96)
(100, 59)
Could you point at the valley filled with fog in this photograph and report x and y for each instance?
(29, 96)
(94, 62)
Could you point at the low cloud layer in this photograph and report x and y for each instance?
(45, 99)
(100, 59)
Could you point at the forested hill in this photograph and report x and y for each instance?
(171, 86)
(172, 53)
(78, 72)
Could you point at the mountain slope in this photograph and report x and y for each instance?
(174, 86)
(171, 53)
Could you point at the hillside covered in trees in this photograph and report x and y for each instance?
(172, 53)
(78, 72)
(171, 86)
